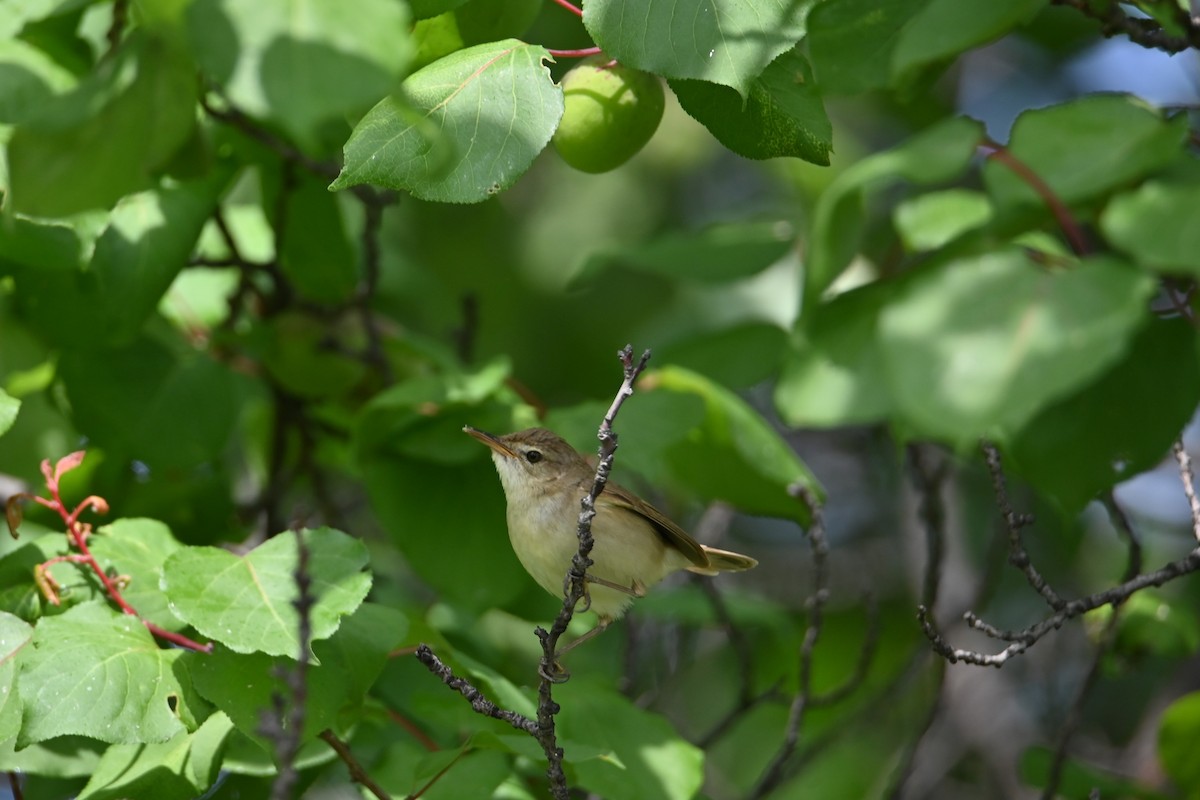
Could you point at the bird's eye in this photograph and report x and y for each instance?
(533, 456)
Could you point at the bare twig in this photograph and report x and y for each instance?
(284, 729)
(1146, 32)
(1022, 640)
(479, 703)
(774, 772)
(357, 773)
(1189, 486)
(575, 578)
(1017, 556)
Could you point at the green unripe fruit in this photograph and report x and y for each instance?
(611, 112)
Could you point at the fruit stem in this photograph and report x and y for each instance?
(584, 53)
(569, 6)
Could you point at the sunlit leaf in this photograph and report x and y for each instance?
(248, 602)
(467, 127)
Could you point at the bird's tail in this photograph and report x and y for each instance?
(722, 561)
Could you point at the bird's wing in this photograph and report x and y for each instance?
(671, 533)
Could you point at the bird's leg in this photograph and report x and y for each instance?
(560, 673)
(638, 589)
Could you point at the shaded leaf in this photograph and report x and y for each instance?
(302, 62)
(150, 404)
(655, 762)
(244, 685)
(851, 42)
(179, 769)
(975, 347)
(834, 375)
(66, 159)
(29, 79)
(247, 602)
(1085, 148)
(933, 219)
(469, 125)
(142, 248)
(716, 254)
(759, 469)
(1140, 404)
(943, 29)
(782, 114)
(1155, 224)
(935, 155)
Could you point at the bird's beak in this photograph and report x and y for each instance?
(490, 440)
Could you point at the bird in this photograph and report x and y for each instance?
(635, 544)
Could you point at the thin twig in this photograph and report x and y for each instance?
(1022, 640)
(1070, 228)
(357, 773)
(479, 703)
(576, 578)
(1146, 32)
(1017, 555)
(286, 729)
(819, 547)
(1189, 486)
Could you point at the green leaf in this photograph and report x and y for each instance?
(9, 406)
(67, 158)
(136, 549)
(316, 254)
(163, 409)
(141, 250)
(1178, 730)
(759, 470)
(470, 125)
(95, 672)
(945, 28)
(1075, 779)
(1141, 403)
(247, 602)
(717, 254)
(38, 243)
(782, 115)
(975, 347)
(181, 768)
(30, 80)
(835, 375)
(851, 42)
(15, 634)
(933, 156)
(655, 763)
(729, 42)
(244, 685)
(1085, 148)
(737, 356)
(1155, 225)
(1150, 625)
(930, 221)
(482, 21)
(420, 503)
(60, 757)
(301, 62)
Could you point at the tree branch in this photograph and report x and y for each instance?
(819, 547)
